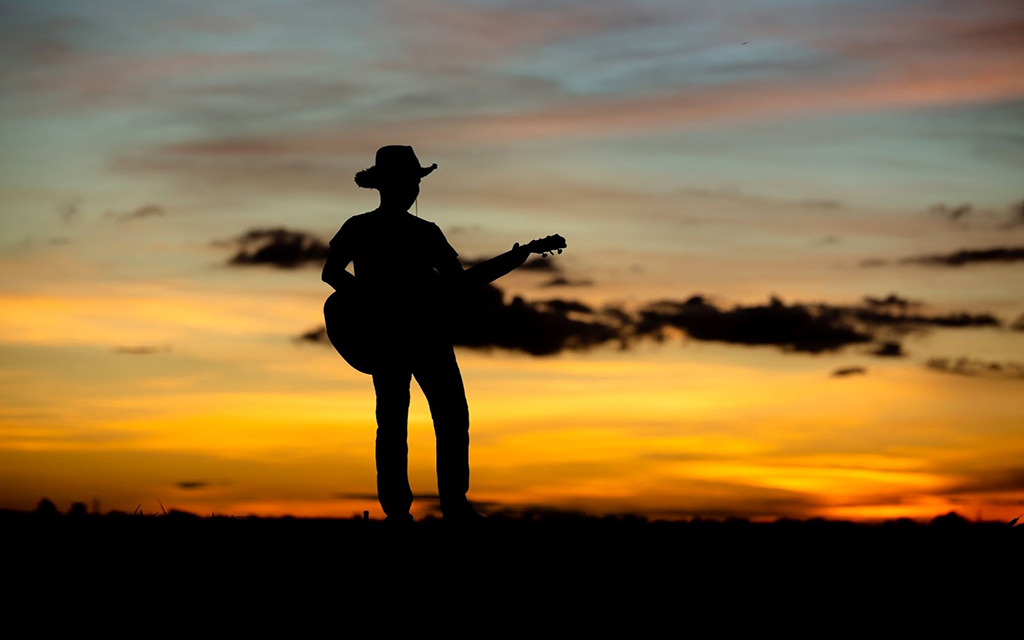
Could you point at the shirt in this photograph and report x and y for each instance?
(396, 259)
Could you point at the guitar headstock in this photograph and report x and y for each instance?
(547, 245)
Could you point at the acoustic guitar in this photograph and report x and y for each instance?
(355, 331)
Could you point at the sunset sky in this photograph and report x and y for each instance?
(860, 163)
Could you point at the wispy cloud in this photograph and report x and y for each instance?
(849, 371)
(144, 211)
(143, 349)
(1006, 480)
(969, 256)
(442, 37)
(976, 367)
(870, 70)
(69, 211)
(618, 116)
(562, 281)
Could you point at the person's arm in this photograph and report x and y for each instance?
(451, 268)
(486, 272)
(448, 265)
(498, 266)
(334, 272)
(446, 260)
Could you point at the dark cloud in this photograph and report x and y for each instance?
(804, 327)
(955, 259)
(894, 311)
(848, 371)
(891, 301)
(278, 247)
(889, 349)
(145, 211)
(1009, 480)
(193, 484)
(541, 264)
(561, 281)
(142, 349)
(978, 368)
(795, 327)
(485, 319)
(969, 256)
(567, 306)
(313, 335)
(961, 319)
(953, 214)
(537, 328)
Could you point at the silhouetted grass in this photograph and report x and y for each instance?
(571, 562)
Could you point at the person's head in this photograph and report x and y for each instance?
(396, 174)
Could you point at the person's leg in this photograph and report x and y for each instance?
(393, 491)
(438, 375)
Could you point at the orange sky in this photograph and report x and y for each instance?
(736, 152)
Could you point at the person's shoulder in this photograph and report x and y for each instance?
(352, 224)
(358, 218)
(437, 238)
(416, 220)
(421, 225)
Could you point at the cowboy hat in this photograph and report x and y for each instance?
(393, 163)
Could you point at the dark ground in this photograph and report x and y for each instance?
(605, 564)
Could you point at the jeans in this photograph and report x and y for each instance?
(435, 369)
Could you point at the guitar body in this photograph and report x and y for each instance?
(351, 330)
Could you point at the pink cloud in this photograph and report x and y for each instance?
(82, 77)
(442, 37)
(916, 59)
(912, 85)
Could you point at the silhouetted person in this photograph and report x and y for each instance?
(391, 320)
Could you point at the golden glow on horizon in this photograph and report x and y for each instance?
(652, 435)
